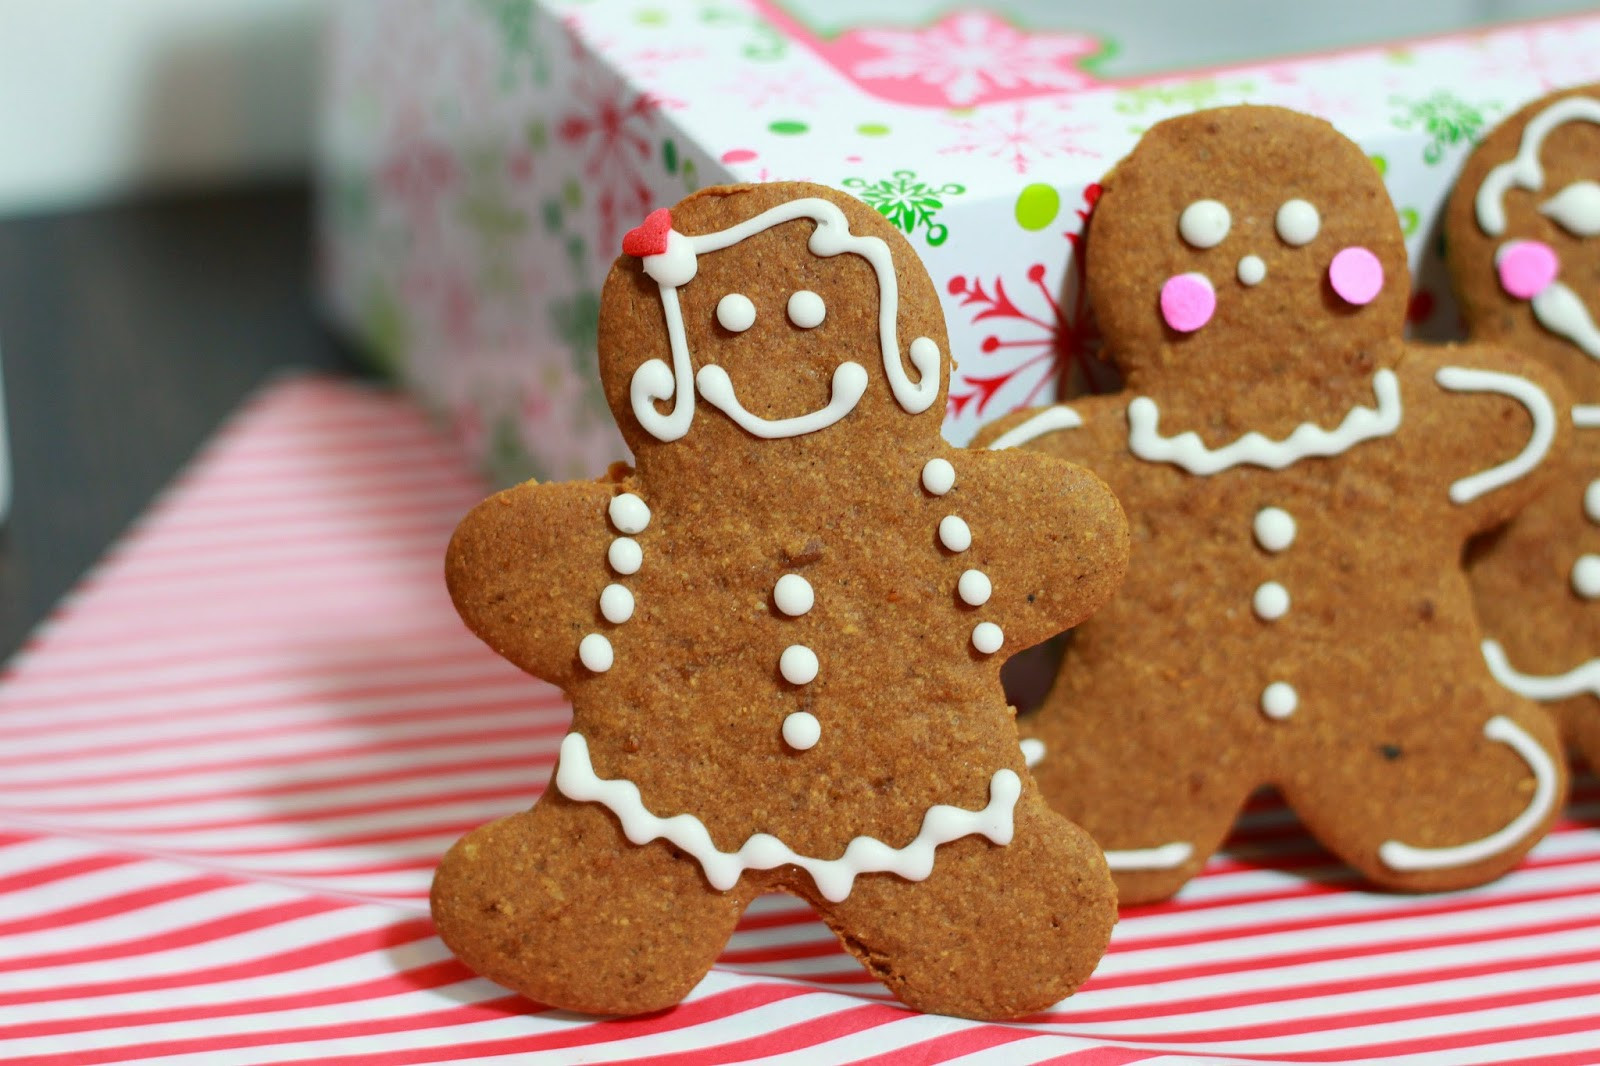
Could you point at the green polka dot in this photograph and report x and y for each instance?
(669, 156)
(1409, 220)
(1381, 164)
(872, 129)
(572, 193)
(1037, 206)
(651, 16)
(788, 127)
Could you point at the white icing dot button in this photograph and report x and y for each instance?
(1586, 577)
(798, 664)
(793, 595)
(1274, 529)
(735, 312)
(1591, 501)
(801, 731)
(974, 588)
(1252, 270)
(987, 637)
(629, 513)
(594, 652)
(1279, 700)
(625, 556)
(616, 604)
(938, 476)
(1271, 601)
(807, 310)
(954, 534)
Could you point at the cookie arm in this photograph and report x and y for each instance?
(1059, 542)
(524, 570)
(1492, 421)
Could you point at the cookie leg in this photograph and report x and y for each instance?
(558, 905)
(1447, 806)
(994, 931)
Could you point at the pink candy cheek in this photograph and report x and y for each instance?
(1356, 275)
(1526, 268)
(1187, 302)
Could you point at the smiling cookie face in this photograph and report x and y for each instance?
(755, 315)
(1258, 236)
(1521, 231)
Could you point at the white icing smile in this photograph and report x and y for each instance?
(849, 385)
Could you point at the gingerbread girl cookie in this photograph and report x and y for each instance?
(1520, 237)
(782, 636)
(1300, 482)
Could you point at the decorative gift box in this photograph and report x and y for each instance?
(481, 160)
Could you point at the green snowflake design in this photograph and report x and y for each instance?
(1188, 95)
(514, 21)
(765, 43)
(908, 204)
(489, 211)
(1448, 120)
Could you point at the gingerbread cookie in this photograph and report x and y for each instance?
(1520, 238)
(1300, 482)
(782, 636)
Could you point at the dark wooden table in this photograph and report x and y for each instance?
(127, 334)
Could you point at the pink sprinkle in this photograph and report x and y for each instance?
(1188, 302)
(738, 155)
(1526, 268)
(1357, 276)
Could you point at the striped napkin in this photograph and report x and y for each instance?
(230, 760)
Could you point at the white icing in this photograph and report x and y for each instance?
(849, 385)
(1279, 700)
(1032, 752)
(1586, 416)
(987, 637)
(1252, 270)
(594, 652)
(1523, 169)
(1204, 224)
(798, 664)
(1274, 529)
(654, 381)
(954, 533)
(938, 476)
(1559, 310)
(1591, 501)
(1047, 421)
(793, 595)
(625, 556)
(1398, 856)
(616, 604)
(1575, 209)
(1271, 601)
(1297, 222)
(974, 588)
(806, 309)
(1525, 392)
(801, 731)
(1166, 857)
(629, 513)
(1575, 682)
(576, 779)
(1586, 577)
(1188, 451)
(735, 312)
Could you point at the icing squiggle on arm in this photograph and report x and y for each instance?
(1046, 421)
(1166, 857)
(1529, 395)
(1398, 856)
(1190, 452)
(1579, 680)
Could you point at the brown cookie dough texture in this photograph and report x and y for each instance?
(782, 636)
(1300, 482)
(1522, 235)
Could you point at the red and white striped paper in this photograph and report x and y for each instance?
(229, 762)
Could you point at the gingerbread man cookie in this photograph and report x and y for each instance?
(1520, 237)
(782, 636)
(1300, 482)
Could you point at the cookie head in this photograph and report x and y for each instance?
(1523, 233)
(1253, 235)
(778, 312)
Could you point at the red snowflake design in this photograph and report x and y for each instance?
(1063, 343)
(611, 127)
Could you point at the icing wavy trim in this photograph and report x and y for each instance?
(1398, 856)
(1543, 687)
(576, 779)
(1046, 421)
(1529, 395)
(1253, 449)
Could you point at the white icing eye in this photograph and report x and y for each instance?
(735, 312)
(1204, 224)
(1298, 222)
(806, 309)
(1575, 209)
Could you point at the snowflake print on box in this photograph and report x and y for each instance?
(907, 202)
(1044, 349)
(1020, 135)
(612, 128)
